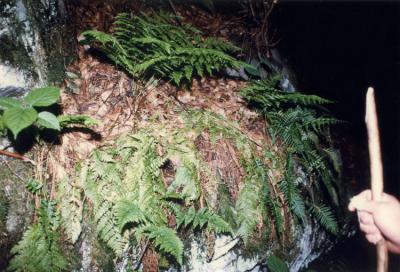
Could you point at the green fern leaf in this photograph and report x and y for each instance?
(325, 216)
(151, 45)
(186, 180)
(166, 240)
(128, 212)
(39, 248)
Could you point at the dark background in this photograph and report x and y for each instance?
(337, 49)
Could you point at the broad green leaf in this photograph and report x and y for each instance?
(275, 264)
(9, 102)
(16, 119)
(48, 120)
(43, 97)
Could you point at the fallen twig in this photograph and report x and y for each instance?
(16, 156)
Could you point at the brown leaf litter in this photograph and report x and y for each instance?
(124, 105)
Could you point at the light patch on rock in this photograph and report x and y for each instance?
(11, 77)
(225, 259)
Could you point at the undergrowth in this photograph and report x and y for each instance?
(40, 247)
(133, 205)
(152, 45)
(299, 126)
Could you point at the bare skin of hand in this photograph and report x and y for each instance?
(378, 219)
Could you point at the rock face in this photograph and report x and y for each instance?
(31, 35)
(34, 42)
(16, 209)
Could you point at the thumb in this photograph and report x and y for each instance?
(361, 203)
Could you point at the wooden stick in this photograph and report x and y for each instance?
(376, 170)
(16, 156)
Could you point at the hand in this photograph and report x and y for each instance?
(378, 219)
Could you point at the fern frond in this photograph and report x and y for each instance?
(291, 192)
(247, 208)
(217, 224)
(318, 124)
(268, 95)
(151, 45)
(253, 199)
(39, 248)
(201, 218)
(276, 211)
(166, 240)
(71, 209)
(128, 212)
(186, 181)
(325, 217)
(105, 218)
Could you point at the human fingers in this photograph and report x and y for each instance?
(369, 229)
(365, 217)
(387, 217)
(373, 238)
(362, 202)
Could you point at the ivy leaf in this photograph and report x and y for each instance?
(43, 97)
(48, 120)
(9, 102)
(16, 119)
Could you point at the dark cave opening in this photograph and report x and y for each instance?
(337, 50)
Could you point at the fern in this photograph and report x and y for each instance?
(296, 123)
(39, 248)
(201, 218)
(248, 212)
(124, 183)
(128, 212)
(253, 201)
(71, 208)
(268, 95)
(325, 217)
(186, 181)
(289, 187)
(151, 45)
(167, 240)
(105, 219)
(131, 202)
